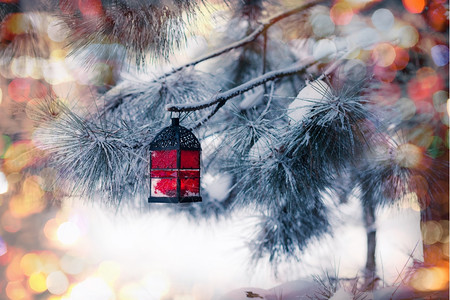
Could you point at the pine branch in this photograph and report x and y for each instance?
(265, 25)
(227, 95)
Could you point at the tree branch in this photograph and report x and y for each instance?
(248, 39)
(225, 96)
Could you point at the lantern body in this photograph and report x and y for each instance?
(175, 166)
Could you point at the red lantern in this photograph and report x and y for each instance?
(175, 166)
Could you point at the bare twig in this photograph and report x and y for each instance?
(262, 28)
(225, 96)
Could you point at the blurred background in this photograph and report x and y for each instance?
(58, 247)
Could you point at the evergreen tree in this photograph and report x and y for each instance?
(292, 103)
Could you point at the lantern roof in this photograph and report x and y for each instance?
(175, 137)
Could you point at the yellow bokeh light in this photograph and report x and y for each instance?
(431, 232)
(22, 206)
(445, 228)
(408, 36)
(430, 279)
(18, 156)
(50, 229)
(26, 66)
(68, 233)
(50, 261)
(410, 200)
(130, 291)
(30, 264)
(37, 282)
(58, 54)
(17, 23)
(31, 188)
(109, 271)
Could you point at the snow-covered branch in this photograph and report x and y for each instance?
(263, 27)
(225, 96)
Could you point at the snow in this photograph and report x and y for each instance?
(292, 290)
(324, 50)
(252, 98)
(342, 294)
(260, 150)
(312, 93)
(215, 256)
(217, 186)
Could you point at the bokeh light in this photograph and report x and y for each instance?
(68, 233)
(408, 36)
(15, 24)
(383, 19)
(408, 155)
(72, 264)
(10, 223)
(57, 283)
(15, 290)
(430, 279)
(341, 13)
(384, 54)
(3, 247)
(24, 89)
(37, 282)
(30, 264)
(386, 43)
(90, 8)
(57, 30)
(414, 6)
(92, 288)
(322, 25)
(440, 54)
(431, 232)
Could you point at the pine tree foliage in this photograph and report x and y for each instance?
(285, 232)
(141, 98)
(147, 29)
(279, 167)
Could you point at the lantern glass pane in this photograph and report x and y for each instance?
(164, 159)
(189, 187)
(161, 173)
(190, 159)
(164, 187)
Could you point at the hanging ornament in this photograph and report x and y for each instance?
(175, 166)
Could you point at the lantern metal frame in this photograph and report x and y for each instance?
(175, 137)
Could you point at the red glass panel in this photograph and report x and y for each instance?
(164, 187)
(159, 173)
(189, 174)
(164, 159)
(190, 159)
(189, 187)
